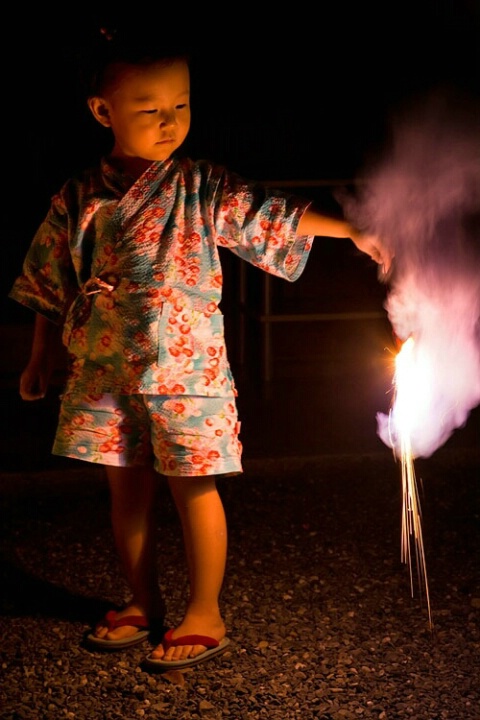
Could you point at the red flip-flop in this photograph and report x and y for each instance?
(112, 621)
(214, 648)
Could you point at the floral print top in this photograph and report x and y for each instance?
(132, 271)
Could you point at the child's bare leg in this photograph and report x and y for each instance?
(205, 535)
(132, 493)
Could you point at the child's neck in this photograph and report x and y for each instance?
(133, 166)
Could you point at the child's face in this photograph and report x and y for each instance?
(148, 110)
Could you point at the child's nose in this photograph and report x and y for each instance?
(167, 117)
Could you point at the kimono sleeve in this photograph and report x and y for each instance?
(47, 282)
(259, 225)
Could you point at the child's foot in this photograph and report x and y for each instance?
(127, 627)
(208, 628)
(109, 627)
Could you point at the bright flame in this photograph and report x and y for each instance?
(411, 381)
(410, 378)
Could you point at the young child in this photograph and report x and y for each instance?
(126, 268)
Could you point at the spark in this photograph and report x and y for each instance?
(410, 377)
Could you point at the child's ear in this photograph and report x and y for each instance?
(99, 110)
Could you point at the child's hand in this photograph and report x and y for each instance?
(372, 245)
(34, 382)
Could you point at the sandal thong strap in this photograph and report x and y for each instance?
(113, 621)
(209, 642)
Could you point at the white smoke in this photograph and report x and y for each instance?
(424, 198)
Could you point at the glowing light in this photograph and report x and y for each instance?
(410, 377)
(423, 198)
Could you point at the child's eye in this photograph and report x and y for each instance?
(181, 107)
(149, 112)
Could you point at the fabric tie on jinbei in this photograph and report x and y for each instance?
(95, 285)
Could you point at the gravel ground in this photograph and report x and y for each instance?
(323, 620)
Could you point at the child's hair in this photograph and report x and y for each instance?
(110, 47)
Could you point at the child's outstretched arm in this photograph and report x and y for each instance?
(314, 222)
(35, 378)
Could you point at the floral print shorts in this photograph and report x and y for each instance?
(179, 435)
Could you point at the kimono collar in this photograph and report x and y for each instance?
(120, 182)
(132, 194)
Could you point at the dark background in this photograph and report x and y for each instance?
(302, 93)
(314, 566)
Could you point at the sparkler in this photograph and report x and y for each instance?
(410, 377)
(423, 196)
